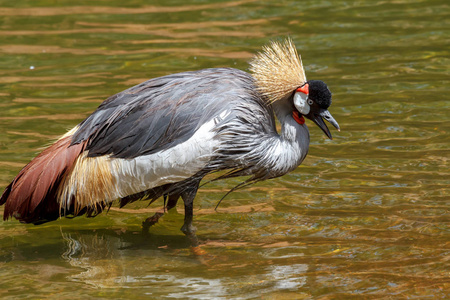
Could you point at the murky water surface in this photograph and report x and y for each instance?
(365, 215)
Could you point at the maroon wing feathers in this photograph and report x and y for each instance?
(32, 196)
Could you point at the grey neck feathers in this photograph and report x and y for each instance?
(291, 131)
(286, 151)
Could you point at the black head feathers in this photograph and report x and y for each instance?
(319, 92)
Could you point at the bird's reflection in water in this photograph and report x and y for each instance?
(93, 253)
(126, 259)
(107, 255)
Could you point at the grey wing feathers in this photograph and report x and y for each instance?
(160, 112)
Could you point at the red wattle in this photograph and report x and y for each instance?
(298, 117)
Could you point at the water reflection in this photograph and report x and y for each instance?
(110, 259)
(98, 10)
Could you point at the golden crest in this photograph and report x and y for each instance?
(278, 70)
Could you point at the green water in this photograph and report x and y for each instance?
(366, 215)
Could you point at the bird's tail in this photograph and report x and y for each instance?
(32, 197)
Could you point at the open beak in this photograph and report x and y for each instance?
(318, 119)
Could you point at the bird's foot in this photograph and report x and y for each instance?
(197, 251)
(150, 221)
(189, 231)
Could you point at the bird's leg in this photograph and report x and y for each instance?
(188, 229)
(171, 203)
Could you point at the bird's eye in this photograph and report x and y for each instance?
(310, 102)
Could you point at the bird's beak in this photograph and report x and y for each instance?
(318, 119)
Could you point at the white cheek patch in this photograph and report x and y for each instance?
(301, 103)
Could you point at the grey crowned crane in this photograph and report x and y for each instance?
(161, 137)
